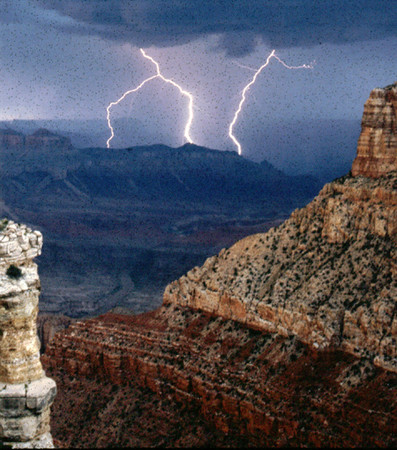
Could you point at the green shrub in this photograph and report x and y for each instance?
(3, 224)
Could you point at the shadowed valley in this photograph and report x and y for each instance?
(121, 224)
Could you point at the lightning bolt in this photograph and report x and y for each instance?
(118, 101)
(246, 88)
(244, 66)
(182, 91)
(166, 80)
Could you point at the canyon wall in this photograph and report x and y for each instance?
(377, 144)
(287, 337)
(25, 392)
(41, 139)
(328, 274)
(11, 139)
(253, 387)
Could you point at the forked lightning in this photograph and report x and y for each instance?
(166, 80)
(246, 88)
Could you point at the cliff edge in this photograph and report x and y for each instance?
(328, 274)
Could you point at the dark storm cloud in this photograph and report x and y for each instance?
(241, 24)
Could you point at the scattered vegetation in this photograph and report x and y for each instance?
(3, 224)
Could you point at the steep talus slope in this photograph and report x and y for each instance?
(327, 275)
(254, 387)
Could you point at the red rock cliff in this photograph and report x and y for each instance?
(377, 145)
(328, 274)
(262, 387)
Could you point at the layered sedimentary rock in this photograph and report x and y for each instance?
(327, 275)
(377, 145)
(25, 392)
(256, 388)
(48, 325)
(41, 139)
(287, 337)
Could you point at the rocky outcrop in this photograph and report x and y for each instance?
(327, 275)
(166, 211)
(377, 145)
(42, 139)
(287, 337)
(265, 388)
(48, 325)
(25, 392)
(46, 140)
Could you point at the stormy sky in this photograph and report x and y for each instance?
(71, 58)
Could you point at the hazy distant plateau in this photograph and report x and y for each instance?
(324, 148)
(119, 225)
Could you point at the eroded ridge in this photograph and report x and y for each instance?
(327, 275)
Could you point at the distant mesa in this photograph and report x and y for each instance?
(10, 132)
(40, 139)
(44, 132)
(45, 139)
(287, 338)
(11, 139)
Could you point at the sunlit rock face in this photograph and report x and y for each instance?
(253, 387)
(377, 145)
(25, 392)
(327, 275)
(287, 337)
